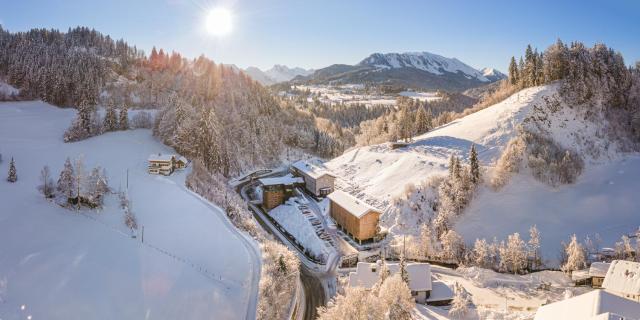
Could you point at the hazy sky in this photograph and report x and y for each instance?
(314, 34)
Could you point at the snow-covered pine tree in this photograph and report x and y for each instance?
(474, 165)
(123, 122)
(67, 181)
(575, 256)
(513, 72)
(110, 118)
(423, 121)
(47, 186)
(13, 175)
(404, 275)
(395, 295)
(534, 247)
(481, 253)
(516, 253)
(452, 164)
(460, 303)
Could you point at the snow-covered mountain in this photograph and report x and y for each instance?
(278, 73)
(423, 70)
(425, 61)
(379, 174)
(492, 74)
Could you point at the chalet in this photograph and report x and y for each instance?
(161, 164)
(596, 304)
(316, 180)
(165, 164)
(275, 191)
(354, 216)
(181, 162)
(623, 279)
(367, 274)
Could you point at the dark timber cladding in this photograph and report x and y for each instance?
(358, 218)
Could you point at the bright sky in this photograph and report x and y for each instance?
(315, 34)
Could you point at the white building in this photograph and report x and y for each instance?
(165, 164)
(317, 180)
(367, 274)
(623, 279)
(594, 305)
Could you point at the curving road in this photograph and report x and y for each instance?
(314, 282)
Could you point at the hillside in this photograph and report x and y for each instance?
(379, 174)
(66, 264)
(278, 73)
(421, 70)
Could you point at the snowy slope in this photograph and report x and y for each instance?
(380, 173)
(278, 73)
(63, 264)
(602, 200)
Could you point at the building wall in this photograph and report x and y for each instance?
(325, 181)
(596, 282)
(363, 228)
(272, 197)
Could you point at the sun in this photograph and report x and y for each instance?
(219, 22)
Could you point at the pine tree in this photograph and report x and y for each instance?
(513, 71)
(461, 301)
(452, 166)
(474, 165)
(457, 169)
(110, 118)
(123, 123)
(403, 267)
(13, 175)
(67, 180)
(575, 256)
(534, 246)
(423, 121)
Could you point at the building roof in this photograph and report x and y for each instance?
(183, 159)
(623, 277)
(366, 275)
(590, 305)
(599, 269)
(160, 157)
(310, 170)
(284, 180)
(353, 205)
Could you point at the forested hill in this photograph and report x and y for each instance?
(207, 110)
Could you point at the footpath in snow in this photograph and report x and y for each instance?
(61, 264)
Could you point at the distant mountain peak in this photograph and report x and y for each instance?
(424, 61)
(277, 73)
(493, 74)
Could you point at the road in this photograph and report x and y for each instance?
(313, 280)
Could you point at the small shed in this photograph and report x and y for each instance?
(597, 272)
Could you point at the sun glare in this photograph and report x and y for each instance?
(219, 22)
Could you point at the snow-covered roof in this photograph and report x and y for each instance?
(599, 269)
(160, 157)
(311, 170)
(366, 275)
(623, 277)
(590, 305)
(284, 180)
(578, 275)
(353, 205)
(183, 159)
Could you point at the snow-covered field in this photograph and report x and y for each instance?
(603, 200)
(63, 264)
(421, 96)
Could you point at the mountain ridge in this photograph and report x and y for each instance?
(421, 70)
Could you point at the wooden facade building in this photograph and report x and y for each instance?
(275, 191)
(354, 216)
